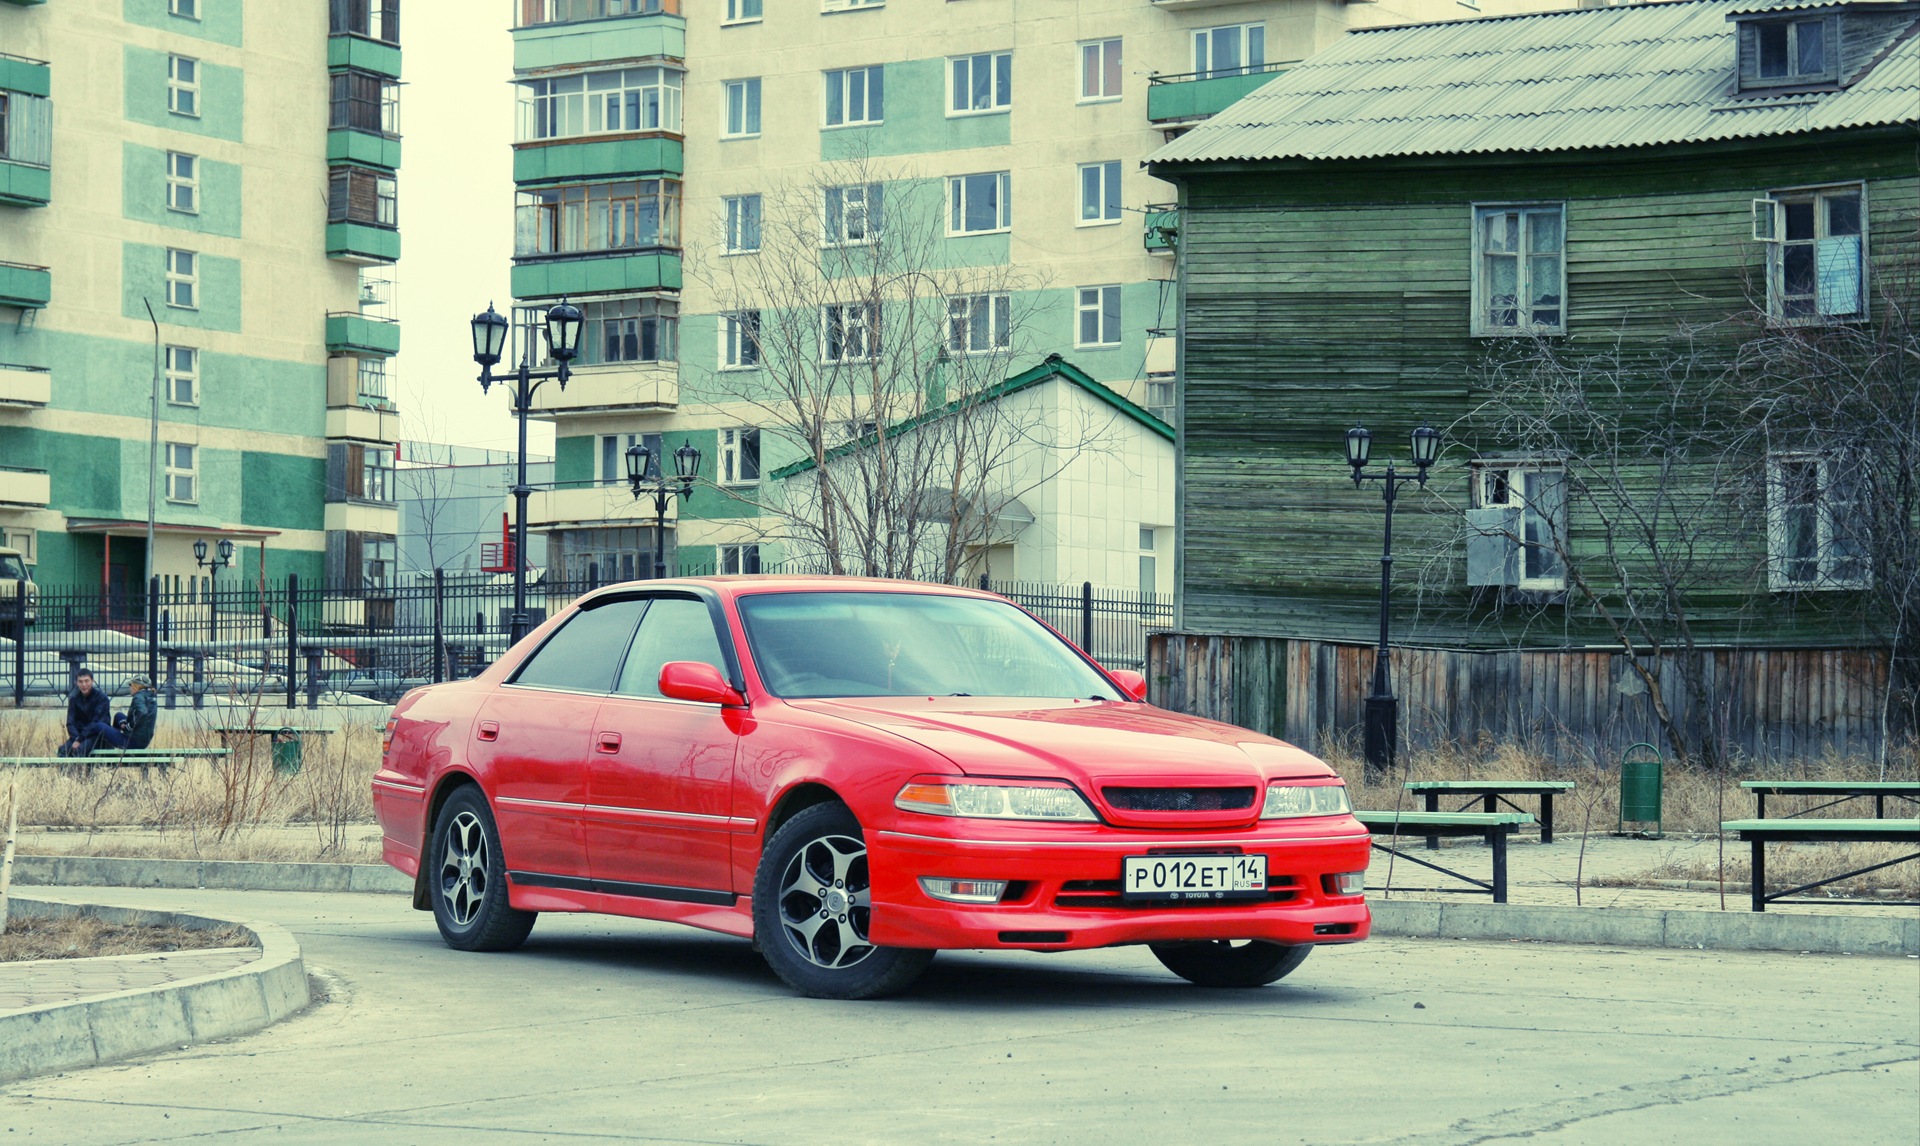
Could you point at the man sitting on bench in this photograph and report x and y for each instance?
(88, 710)
(132, 728)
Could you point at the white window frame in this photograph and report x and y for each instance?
(969, 314)
(183, 183)
(739, 348)
(1094, 67)
(1770, 228)
(734, 231)
(185, 9)
(613, 470)
(999, 98)
(958, 200)
(1827, 575)
(1149, 560)
(744, 12)
(1504, 483)
(183, 473)
(849, 5)
(1097, 308)
(731, 457)
(750, 108)
(1108, 206)
(733, 558)
(1163, 397)
(840, 209)
(183, 94)
(183, 279)
(182, 374)
(848, 80)
(859, 323)
(1481, 324)
(25, 541)
(1244, 64)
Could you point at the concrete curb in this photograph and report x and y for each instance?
(87, 1032)
(225, 875)
(1639, 927)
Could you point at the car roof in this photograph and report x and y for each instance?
(741, 585)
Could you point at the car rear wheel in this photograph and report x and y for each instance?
(1226, 963)
(468, 878)
(812, 906)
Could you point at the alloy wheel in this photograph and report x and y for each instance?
(463, 869)
(826, 902)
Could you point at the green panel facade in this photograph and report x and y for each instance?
(221, 99)
(596, 275)
(282, 491)
(364, 55)
(610, 158)
(357, 242)
(143, 181)
(363, 148)
(573, 460)
(916, 121)
(143, 278)
(591, 41)
(218, 20)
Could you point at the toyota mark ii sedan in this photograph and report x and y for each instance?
(855, 774)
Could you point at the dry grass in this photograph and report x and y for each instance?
(1791, 865)
(84, 937)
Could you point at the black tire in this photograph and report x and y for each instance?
(1221, 963)
(467, 878)
(811, 911)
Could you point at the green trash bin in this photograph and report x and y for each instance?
(286, 751)
(1640, 779)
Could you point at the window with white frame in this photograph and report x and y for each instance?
(1229, 50)
(187, 9)
(612, 467)
(854, 96)
(600, 103)
(979, 204)
(979, 323)
(1816, 253)
(849, 5)
(1521, 512)
(740, 340)
(183, 85)
(1163, 398)
(1519, 269)
(1149, 553)
(182, 375)
(1099, 70)
(630, 330)
(742, 11)
(1099, 193)
(183, 182)
(740, 558)
(742, 224)
(1816, 526)
(183, 279)
(742, 108)
(21, 540)
(980, 84)
(849, 332)
(183, 472)
(740, 456)
(370, 384)
(851, 214)
(1097, 309)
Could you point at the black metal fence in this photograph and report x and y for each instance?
(306, 644)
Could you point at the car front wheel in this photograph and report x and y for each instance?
(1224, 963)
(469, 878)
(813, 905)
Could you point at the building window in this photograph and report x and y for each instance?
(1816, 530)
(183, 473)
(600, 103)
(742, 11)
(1149, 579)
(183, 279)
(743, 224)
(362, 101)
(26, 129)
(632, 215)
(1231, 50)
(849, 5)
(1520, 270)
(1776, 53)
(1099, 71)
(183, 375)
(1099, 193)
(739, 457)
(979, 203)
(742, 108)
(1816, 257)
(362, 195)
(183, 183)
(980, 85)
(21, 540)
(740, 340)
(849, 332)
(739, 559)
(185, 9)
(370, 383)
(183, 85)
(851, 214)
(1519, 519)
(631, 330)
(979, 323)
(613, 457)
(380, 19)
(1098, 311)
(1163, 398)
(376, 474)
(855, 96)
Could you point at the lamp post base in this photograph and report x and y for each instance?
(1381, 735)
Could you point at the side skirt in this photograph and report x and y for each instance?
(720, 911)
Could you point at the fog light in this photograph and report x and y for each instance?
(1344, 882)
(964, 890)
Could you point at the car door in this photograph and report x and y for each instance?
(659, 788)
(532, 738)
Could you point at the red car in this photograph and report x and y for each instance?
(856, 774)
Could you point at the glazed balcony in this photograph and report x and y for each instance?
(26, 132)
(365, 34)
(1193, 96)
(566, 33)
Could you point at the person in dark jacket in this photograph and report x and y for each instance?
(87, 707)
(134, 727)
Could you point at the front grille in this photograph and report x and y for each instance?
(1105, 893)
(1179, 799)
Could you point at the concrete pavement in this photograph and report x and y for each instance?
(614, 1030)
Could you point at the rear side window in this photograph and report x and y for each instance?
(676, 629)
(585, 653)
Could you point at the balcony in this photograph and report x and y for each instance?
(1194, 96)
(363, 424)
(562, 33)
(1178, 5)
(345, 145)
(26, 142)
(592, 505)
(25, 285)
(362, 243)
(575, 159)
(25, 387)
(623, 388)
(25, 487)
(361, 517)
(365, 36)
(1162, 228)
(361, 335)
(598, 273)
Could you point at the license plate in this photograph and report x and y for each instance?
(1193, 877)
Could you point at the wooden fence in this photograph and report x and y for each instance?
(1773, 704)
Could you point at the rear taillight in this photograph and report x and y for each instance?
(386, 736)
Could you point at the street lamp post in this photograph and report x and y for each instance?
(223, 556)
(563, 342)
(1381, 734)
(686, 467)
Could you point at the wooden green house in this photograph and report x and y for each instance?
(1648, 269)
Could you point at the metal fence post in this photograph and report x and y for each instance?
(293, 638)
(983, 583)
(1086, 617)
(153, 629)
(20, 642)
(439, 625)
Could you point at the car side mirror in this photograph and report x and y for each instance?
(1134, 684)
(698, 681)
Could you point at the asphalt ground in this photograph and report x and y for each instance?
(604, 1030)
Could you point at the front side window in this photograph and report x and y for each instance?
(183, 472)
(674, 629)
(740, 340)
(742, 112)
(849, 332)
(979, 323)
(1098, 314)
(183, 279)
(630, 215)
(183, 85)
(855, 96)
(1099, 193)
(743, 224)
(183, 183)
(1816, 260)
(851, 214)
(585, 653)
(1231, 50)
(1099, 70)
(739, 456)
(981, 203)
(1531, 502)
(1519, 281)
(1816, 525)
(183, 375)
(980, 85)
(601, 103)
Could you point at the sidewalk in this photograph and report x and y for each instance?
(39, 982)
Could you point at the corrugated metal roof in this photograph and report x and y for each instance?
(1635, 76)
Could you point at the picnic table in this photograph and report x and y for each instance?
(1492, 792)
(141, 758)
(1760, 833)
(1494, 826)
(1840, 790)
(284, 737)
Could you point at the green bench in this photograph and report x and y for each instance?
(1760, 833)
(1488, 793)
(1495, 827)
(1837, 791)
(141, 758)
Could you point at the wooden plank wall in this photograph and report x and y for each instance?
(1774, 704)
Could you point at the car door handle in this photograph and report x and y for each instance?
(489, 730)
(609, 742)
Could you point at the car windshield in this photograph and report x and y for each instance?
(11, 567)
(908, 644)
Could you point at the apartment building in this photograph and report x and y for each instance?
(198, 225)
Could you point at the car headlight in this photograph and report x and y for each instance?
(1285, 801)
(994, 801)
